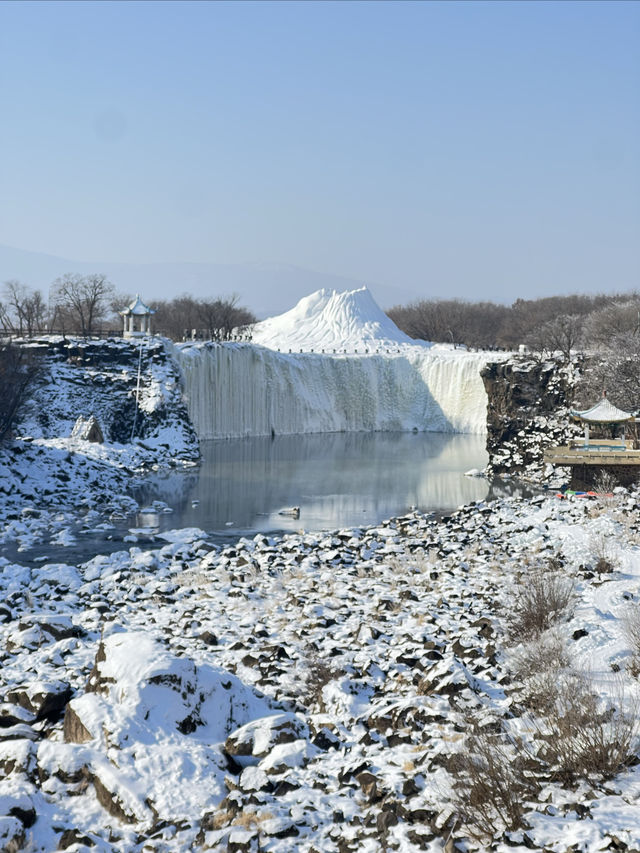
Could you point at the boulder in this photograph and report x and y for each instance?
(74, 729)
(12, 835)
(42, 698)
(255, 740)
(17, 756)
(287, 755)
(148, 719)
(11, 715)
(88, 429)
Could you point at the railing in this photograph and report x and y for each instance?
(600, 445)
(8, 332)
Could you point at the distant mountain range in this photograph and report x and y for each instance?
(266, 289)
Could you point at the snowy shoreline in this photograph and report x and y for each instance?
(377, 645)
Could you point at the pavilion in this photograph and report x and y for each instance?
(604, 414)
(137, 314)
(609, 451)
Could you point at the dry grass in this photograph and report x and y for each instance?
(582, 738)
(544, 599)
(537, 667)
(604, 485)
(575, 737)
(602, 551)
(251, 819)
(492, 783)
(318, 673)
(631, 628)
(246, 818)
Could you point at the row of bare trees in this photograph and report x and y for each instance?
(217, 319)
(86, 305)
(606, 327)
(77, 304)
(552, 324)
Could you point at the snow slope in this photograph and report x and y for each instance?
(329, 319)
(348, 368)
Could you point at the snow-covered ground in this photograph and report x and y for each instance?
(468, 683)
(314, 692)
(334, 363)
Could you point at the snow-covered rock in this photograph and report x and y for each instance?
(149, 718)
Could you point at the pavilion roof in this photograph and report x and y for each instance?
(603, 412)
(137, 307)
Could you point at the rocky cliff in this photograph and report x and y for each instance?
(528, 409)
(100, 379)
(101, 411)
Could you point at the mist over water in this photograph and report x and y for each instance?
(336, 479)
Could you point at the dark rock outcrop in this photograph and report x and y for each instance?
(528, 409)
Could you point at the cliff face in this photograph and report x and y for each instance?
(528, 409)
(100, 379)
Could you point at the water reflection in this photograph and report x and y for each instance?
(337, 480)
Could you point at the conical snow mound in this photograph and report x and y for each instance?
(331, 320)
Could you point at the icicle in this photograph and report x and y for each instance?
(242, 390)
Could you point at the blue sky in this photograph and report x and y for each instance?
(479, 150)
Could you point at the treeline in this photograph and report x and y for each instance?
(605, 327)
(534, 322)
(88, 305)
(218, 319)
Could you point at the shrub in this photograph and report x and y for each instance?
(493, 779)
(536, 668)
(582, 737)
(602, 551)
(318, 674)
(19, 370)
(631, 628)
(541, 602)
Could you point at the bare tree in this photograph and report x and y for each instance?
(215, 318)
(24, 310)
(614, 368)
(604, 326)
(487, 324)
(562, 334)
(5, 319)
(220, 317)
(176, 317)
(82, 301)
(19, 369)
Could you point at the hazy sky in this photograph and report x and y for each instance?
(457, 149)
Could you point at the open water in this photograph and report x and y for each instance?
(250, 485)
(335, 479)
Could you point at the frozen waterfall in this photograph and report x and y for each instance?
(240, 389)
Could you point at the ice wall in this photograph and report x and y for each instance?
(240, 389)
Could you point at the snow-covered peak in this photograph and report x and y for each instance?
(328, 319)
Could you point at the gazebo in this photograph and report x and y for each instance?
(136, 314)
(604, 414)
(592, 456)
